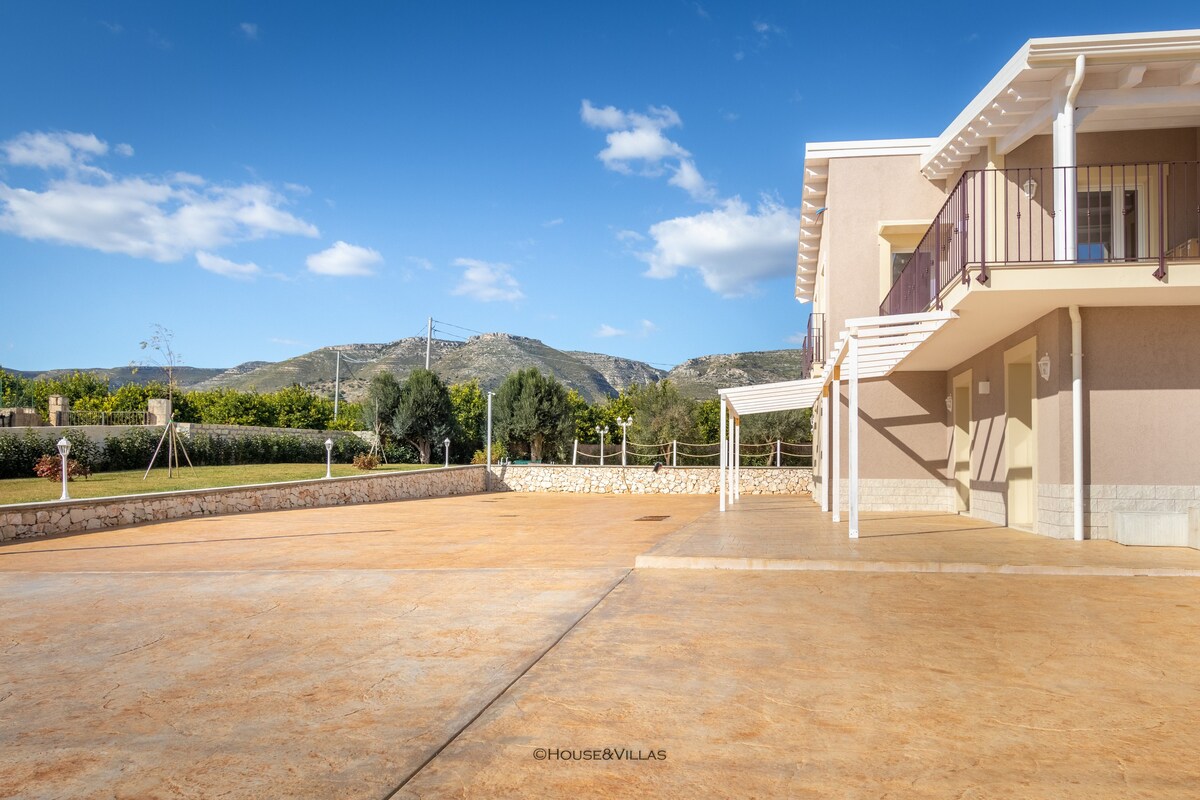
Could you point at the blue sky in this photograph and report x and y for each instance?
(268, 178)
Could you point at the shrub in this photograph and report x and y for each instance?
(498, 454)
(50, 468)
(130, 449)
(366, 461)
(19, 454)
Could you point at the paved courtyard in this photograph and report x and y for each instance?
(505, 646)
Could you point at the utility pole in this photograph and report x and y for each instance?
(428, 342)
(487, 476)
(337, 382)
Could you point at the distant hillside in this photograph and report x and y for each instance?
(488, 358)
(700, 378)
(119, 376)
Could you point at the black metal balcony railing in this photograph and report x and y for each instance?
(813, 348)
(1123, 213)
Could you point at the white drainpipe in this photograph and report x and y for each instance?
(1065, 179)
(1077, 420)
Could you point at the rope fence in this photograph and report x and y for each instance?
(689, 454)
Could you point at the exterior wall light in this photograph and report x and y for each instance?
(1044, 366)
(602, 431)
(985, 387)
(949, 402)
(1030, 188)
(624, 423)
(64, 450)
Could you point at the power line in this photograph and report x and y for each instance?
(460, 327)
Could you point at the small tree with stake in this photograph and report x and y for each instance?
(162, 355)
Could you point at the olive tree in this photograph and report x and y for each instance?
(423, 415)
(533, 410)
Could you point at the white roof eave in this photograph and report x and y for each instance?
(1054, 52)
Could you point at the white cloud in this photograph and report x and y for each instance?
(731, 246)
(163, 218)
(606, 331)
(123, 150)
(223, 266)
(688, 178)
(423, 263)
(249, 30)
(342, 260)
(629, 236)
(487, 281)
(552, 223)
(648, 327)
(53, 150)
(637, 139)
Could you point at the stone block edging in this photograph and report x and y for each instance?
(27, 520)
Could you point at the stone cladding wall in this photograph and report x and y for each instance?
(644, 480)
(27, 520)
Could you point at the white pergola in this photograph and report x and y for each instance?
(870, 348)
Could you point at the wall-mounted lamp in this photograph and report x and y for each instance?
(949, 402)
(1029, 188)
(985, 387)
(1044, 366)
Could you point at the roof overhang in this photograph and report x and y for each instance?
(883, 343)
(816, 177)
(766, 397)
(1133, 81)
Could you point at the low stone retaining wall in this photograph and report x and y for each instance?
(27, 520)
(644, 480)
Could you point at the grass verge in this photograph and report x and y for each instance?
(108, 484)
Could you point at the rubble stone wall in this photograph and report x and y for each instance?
(644, 480)
(27, 520)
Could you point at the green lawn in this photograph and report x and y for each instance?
(108, 484)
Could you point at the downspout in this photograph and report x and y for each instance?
(1065, 240)
(1077, 420)
(1076, 83)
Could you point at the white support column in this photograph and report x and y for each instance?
(835, 399)
(824, 434)
(737, 458)
(1065, 175)
(853, 445)
(729, 461)
(721, 457)
(1076, 424)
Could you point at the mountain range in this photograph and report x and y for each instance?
(488, 358)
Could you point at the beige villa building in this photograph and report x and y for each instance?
(1006, 318)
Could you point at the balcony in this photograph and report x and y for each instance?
(1054, 217)
(813, 348)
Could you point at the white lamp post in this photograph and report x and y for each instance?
(328, 457)
(624, 423)
(601, 431)
(446, 447)
(64, 449)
